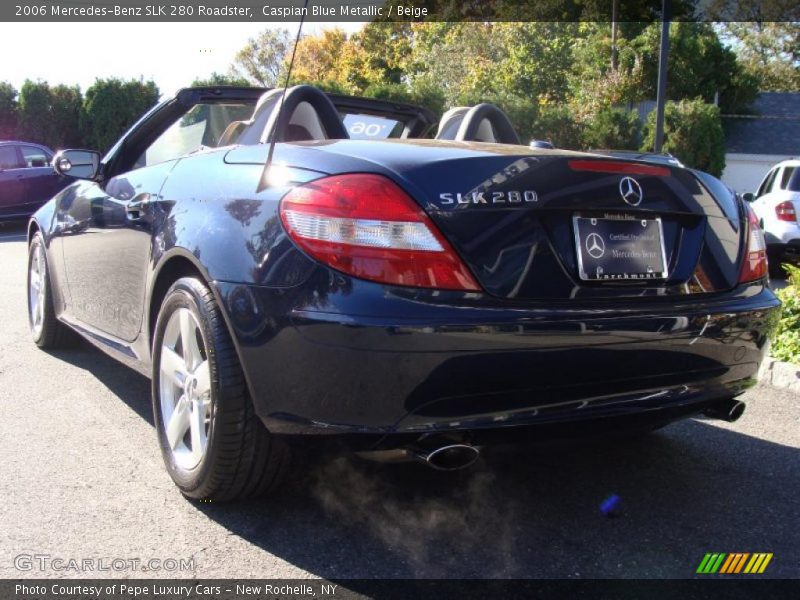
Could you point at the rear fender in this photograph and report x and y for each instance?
(212, 211)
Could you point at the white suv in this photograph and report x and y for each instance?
(777, 203)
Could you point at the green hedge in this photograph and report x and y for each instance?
(612, 129)
(786, 343)
(62, 117)
(693, 133)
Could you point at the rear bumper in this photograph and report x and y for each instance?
(410, 364)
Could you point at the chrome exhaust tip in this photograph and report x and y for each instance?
(448, 458)
(434, 452)
(728, 410)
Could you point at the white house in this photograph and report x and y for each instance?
(753, 143)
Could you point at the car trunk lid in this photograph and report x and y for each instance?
(517, 216)
(562, 226)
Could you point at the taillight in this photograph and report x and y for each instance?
(785, 212)
(366, 226)
(755, 253)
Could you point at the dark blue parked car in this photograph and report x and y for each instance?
(26, 178)
(412, 298)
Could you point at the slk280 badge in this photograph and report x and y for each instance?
(509, 197)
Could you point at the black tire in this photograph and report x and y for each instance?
(242, 459)
(52, 333)
(775, 258)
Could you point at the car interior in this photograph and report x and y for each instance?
(481, 123)
(309, 114)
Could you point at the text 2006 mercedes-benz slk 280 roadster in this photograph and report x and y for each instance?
(410, 295)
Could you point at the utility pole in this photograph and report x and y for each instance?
(661, 95)
(614, 26)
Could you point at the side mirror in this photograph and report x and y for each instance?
(80, 164)
(748, 196)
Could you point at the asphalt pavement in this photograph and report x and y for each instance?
(81, 477)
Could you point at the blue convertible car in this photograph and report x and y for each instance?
(412, 291)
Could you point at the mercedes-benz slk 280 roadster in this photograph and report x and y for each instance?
(410, 297)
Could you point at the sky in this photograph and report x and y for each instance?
(171, 54)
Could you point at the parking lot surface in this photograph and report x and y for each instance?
(81, 477)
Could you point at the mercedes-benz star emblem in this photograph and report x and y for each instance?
(595, 245)
(630, 190)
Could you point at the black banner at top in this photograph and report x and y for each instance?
(287, 11)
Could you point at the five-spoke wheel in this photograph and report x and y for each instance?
(47, 331)
(37, 282)
(185, 390)
(213, 444)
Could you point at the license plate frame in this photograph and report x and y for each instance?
(634, 258)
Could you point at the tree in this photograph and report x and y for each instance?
(419, 95)
(699, 65)
(612, 128)
(342, 62)
(50, 116)
(554, 79)
(111, 106)
(557, 125)
(220, 79)
(693, 133)
(261, 61)
(460, 57)
(36, 121)
(594, 84)
(8, 111)
(536, 59)
(67, 106)
(388, 50)
(768, 52)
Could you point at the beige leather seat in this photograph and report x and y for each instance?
(307, 114)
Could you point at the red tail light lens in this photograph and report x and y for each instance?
(785, 212)
(613, 166)
(755, 253)
(366, 226)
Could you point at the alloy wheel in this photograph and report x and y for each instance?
(185, 389)
(37, 280)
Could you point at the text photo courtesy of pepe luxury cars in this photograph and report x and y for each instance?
(487, 292)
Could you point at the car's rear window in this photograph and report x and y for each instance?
(791, 179)
(8, 157)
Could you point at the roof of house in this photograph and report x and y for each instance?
(777, 104)
(773, 129)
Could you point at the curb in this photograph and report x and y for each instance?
(779, 374)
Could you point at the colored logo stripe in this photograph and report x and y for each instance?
(711, 563)
(758, 563)
(734, 563)
(723, 563)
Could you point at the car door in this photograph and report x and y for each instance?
(105, 239)
(38, 181)
(10, 167)
(106, 227)
(762, 204)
